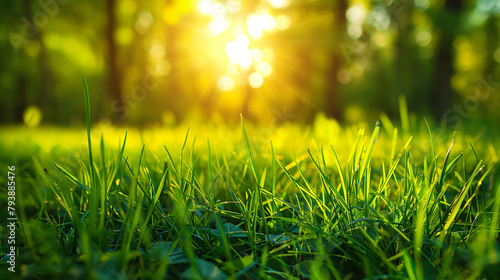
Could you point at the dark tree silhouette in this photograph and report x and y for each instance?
(114, 79)
(448, 21)
(42, 97)
(332, 102)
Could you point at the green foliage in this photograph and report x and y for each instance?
(146, 59)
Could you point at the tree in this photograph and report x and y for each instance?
(114, 79)
(332, 102)
(448, 21)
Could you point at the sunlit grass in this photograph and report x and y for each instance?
(291, 201)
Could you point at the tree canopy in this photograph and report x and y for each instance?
(160, 62)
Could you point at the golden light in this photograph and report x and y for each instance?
(255, 80)
(233, 6)
(205, 7)
(232, 68)
(211, 8)
(260, 22)
(156, 52)
(268, 19)
(264, 69)
(163, 67)
(218, 25)
(354, 30)
(268, 54)
(255, 26)
(237, 30)
(226, 83)
(144, 22)
(380, 39)
(279, 3)
(257, 56)
(356, 14)
(238, 51)
(277, 143)
(241, 78)
(245, 66)
(282, 22)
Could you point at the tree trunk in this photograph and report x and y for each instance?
(491, 45)
(443, 93)
(114, 80)
(332, 102)
(45, 84)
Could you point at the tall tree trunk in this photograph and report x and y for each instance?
(443, 93)
(405, 70)
(491, 45)
(332, 102)
(114, 79)
(45, 84)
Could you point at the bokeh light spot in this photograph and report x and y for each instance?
(423, 38)
(163, 67)
(210, 8)
(143, 22)
(218, 25)
(269, 22)
(422, 4)
(255, 80)
(380, 39)
(356, 70)
(32, 116)
(255, 26)
(156, 52)
(279, 3)
(264, 69)
(233, 6)
(344, 77)
(282, 22)
(354, 31)
(226, 83)
(205, 7)
(496, 55)
(238, 52)
(356, 14)
(379, 18)
(257, 56)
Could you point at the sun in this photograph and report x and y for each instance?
(245, 31)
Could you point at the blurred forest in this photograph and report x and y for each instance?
(161, 62)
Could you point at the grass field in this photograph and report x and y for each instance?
(253, 202)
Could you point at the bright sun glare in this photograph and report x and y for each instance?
(253, 62)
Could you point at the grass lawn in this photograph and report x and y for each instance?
(254, 202)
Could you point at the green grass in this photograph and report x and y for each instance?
(317, 202)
